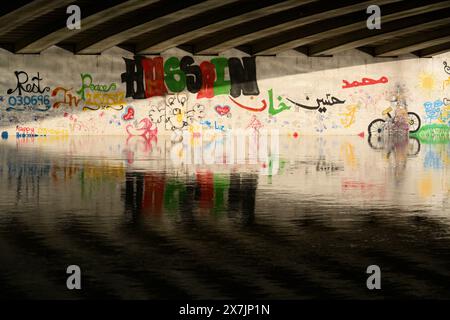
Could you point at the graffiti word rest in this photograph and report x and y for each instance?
(23, 85)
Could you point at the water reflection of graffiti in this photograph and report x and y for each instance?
(227, 149)
(432, 160)
(22, 169)
(142, 128)
(155, 193)
(368, 189)
(328, 167)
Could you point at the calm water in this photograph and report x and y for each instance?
(152, 219)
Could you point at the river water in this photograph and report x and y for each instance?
(285, 217)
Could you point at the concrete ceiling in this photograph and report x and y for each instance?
(257, 27)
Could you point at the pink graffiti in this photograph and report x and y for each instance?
(143, 128)
(254, 124)
(222, 110)
(129, 114)
(142, 135)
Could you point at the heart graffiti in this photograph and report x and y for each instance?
(129, 114)
(222, 110)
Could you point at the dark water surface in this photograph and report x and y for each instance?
(302, 220)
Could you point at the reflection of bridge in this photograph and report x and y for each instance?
(165, 235)
(312, 27)
(301, 257)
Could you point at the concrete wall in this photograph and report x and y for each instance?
(299, 95)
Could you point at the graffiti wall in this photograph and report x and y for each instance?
(57, 93)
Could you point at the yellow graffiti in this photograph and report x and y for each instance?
(103, 171)
(444, 117)
(52, 132)
(349, 117)
(445, 83)
(105, 98)
(426, 186)
(348, 153)
(427, 81)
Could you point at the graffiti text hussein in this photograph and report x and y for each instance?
(149, 77)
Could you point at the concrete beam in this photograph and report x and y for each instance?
(175, 11)
(434, 50)
(276, 23)
(36, 43)
(28, 12)
(185, 31)
(414, 42)
(334, 27)
(397, 28)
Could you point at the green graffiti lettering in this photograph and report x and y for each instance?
(172, 72)
(281, 107)
(86, 83)
(221, 86)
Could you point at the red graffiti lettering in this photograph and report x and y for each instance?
(208, 76)
(154, 77)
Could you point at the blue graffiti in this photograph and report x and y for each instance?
(22, 103)
(17, 169)
(433, 109)
(432, 160)
(209, 124)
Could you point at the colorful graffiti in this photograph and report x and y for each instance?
(254, 124)
(349, 117)
(434, 133)
(142, 128)
(447, 71)
(69, 99)
(177, 113)
(22, 132)
(281, 107)
(164, 90)
(150, 77)
(28, 94)
(223, 110)
(427, 82)
(364, 82)
(129, 114)
(437, 111)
